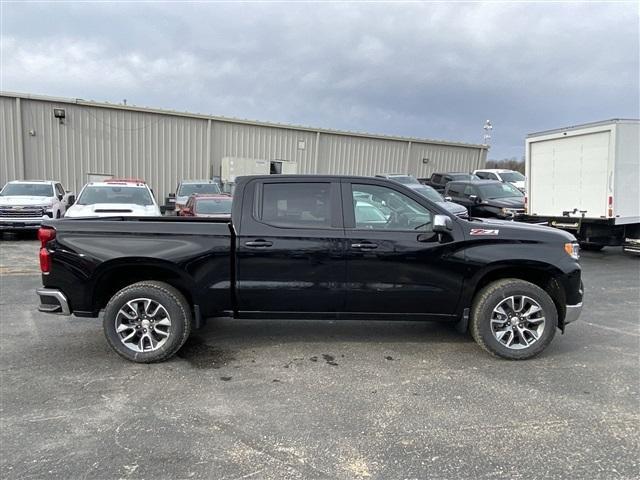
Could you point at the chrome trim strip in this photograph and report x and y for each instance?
(573, 312)
(58, 295)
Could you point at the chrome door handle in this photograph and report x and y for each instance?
(258, 244)
(364, 246)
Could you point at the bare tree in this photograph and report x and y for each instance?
(508, 164)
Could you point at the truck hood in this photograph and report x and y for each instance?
(510, 229)
(25, 200)
(519, 185)
(507, 202)
(112, 210)
(454, 208)
(181, 200)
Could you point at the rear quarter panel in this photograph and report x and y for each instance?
(193, 254)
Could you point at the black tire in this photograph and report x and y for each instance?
(490, 297)
(591, 247)
(163, 294)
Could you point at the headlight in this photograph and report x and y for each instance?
(573, 250)
(507, 212)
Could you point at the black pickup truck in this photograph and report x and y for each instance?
(313, 247)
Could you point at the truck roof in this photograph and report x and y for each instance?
(584, 125)
(186, 182)
(33, 181)
(476, 182)
(494, 170)
(111, 183)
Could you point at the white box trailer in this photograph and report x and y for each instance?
(586, 179)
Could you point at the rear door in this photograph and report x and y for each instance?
(569, 173)
(395, 264)
(290, 255)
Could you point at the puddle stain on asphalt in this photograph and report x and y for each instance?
(201, 355)
(330, 359)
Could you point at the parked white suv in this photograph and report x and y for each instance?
(25, 203)
(115, 198)
(506, 176)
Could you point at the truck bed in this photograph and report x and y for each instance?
(197, 251)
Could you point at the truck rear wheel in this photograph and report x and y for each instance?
(147, 321)
(513, 319)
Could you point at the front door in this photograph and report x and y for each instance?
(395, 264)
(290, 248)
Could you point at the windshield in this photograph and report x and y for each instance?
(213, 205)
(429, 193)
(404, 179)
(187, 189)
(115, 194)
(499, 190)
(27, 190)
(512, 176)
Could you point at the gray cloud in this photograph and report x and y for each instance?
(428, 70)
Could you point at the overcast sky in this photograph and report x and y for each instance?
(431, 70)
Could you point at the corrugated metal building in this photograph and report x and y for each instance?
(163, 146)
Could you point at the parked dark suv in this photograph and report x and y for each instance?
(487, 198)
(439, 180)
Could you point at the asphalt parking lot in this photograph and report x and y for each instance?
(336, 400)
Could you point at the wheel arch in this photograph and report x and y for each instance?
(114, 275)
(544, 275)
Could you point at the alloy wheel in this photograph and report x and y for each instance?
(143, 325)
(517, 322)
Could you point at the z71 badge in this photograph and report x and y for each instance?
(483, 231)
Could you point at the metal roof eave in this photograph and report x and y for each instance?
(159, 111)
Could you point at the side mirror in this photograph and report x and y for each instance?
(60, 197)
(448, 199)
(474, 198)
(442, 224)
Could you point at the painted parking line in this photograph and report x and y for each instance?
(617, 330)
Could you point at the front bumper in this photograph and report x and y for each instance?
(21, 223)
(573, 313)
(53, 301)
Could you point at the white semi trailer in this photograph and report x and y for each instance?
(586, 179)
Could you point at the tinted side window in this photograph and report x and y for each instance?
(454, 189)
(469, 190)
(296, 205)
(483, 175)
(59, 189)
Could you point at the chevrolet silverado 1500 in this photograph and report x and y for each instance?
(313, 247)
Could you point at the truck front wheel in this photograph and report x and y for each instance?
(513, 319)
(147, 321)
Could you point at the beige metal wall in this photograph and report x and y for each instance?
(164, 147)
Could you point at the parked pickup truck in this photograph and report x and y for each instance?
(313, 247)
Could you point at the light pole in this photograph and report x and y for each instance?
(487, 132)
